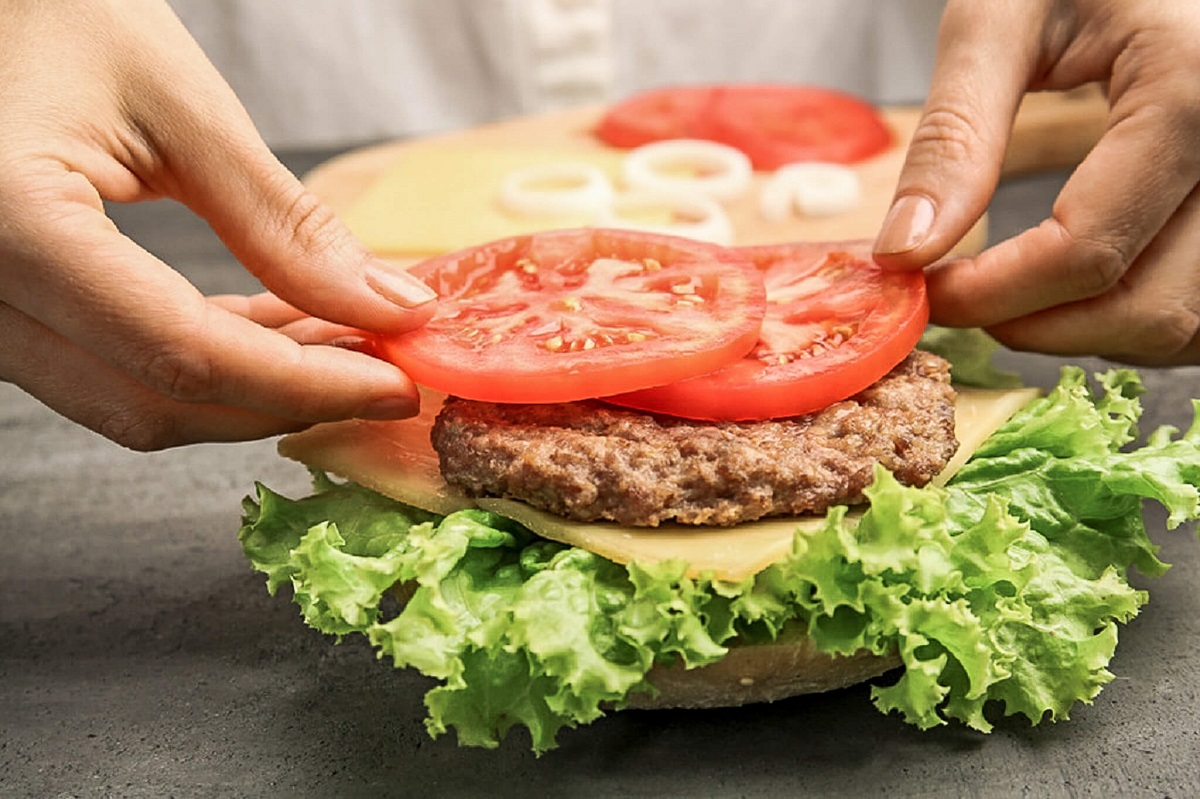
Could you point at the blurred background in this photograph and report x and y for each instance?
(320, 74)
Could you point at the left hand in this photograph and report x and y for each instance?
(111, 100)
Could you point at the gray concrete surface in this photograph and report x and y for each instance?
(140, 657)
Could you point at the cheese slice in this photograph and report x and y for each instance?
(396, 459)
(443, 196)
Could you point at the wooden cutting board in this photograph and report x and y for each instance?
(406, 199)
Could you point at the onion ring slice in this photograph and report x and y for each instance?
(811, 188)
(709, 168)
(692, 216)
(557, 189)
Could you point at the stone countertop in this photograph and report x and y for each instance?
(140, 656)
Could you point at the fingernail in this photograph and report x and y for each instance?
(391, 408)
(906, 225)
(398, 286)
(355, 343)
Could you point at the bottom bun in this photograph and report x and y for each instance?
(788, 666)
(749, 673)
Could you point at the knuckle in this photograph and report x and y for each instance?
(1168, 111)
(29, 207)
(1097, 265)
(1165, 330)
(312, 225)
(1161, 68)
(139, 429)
(1164, 44)
(947, 132)
(1180, 126)
(181, 369)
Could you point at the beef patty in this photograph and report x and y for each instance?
(589, 461)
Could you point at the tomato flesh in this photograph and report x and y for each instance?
(835, 323)
(779, 125)
(773, 124)
(656, 115)
(568, 315)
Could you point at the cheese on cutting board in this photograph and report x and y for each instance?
(442, 196)
(396, 459)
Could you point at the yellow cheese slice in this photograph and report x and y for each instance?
(442, 196)
(393, 458)
(396, 459)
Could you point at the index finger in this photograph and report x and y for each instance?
(187, 136)
(109, 296)
(986, 53)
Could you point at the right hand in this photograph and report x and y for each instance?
(112, 100)
(1115, 269)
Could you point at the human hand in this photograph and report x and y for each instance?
(1115, 270)
(114, 101)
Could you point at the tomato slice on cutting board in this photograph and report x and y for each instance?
(836, 322)
(777, 125)
(773, 124)
(673, 112)
(575, 314)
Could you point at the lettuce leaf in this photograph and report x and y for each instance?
(1002, 592)
(970, 351)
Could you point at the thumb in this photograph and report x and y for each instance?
(953, 162)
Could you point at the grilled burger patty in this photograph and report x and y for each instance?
(589, 461)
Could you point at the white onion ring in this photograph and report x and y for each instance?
(724, 171)
(703, 218)
(812, 188)
(776, 199)
(588, 190)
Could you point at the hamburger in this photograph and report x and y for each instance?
(985, 572)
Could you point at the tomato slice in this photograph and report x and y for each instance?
(656, 115)
(774, 124)
(779, 124)
(836, 322)
(575, 314)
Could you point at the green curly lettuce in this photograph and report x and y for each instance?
(1001, 592)
(970, 351)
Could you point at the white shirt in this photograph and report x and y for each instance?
(319, 72)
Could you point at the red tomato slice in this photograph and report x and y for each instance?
(774, 124)
(575, 314)
(777, 125)
(656, 115)
(836, 322)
